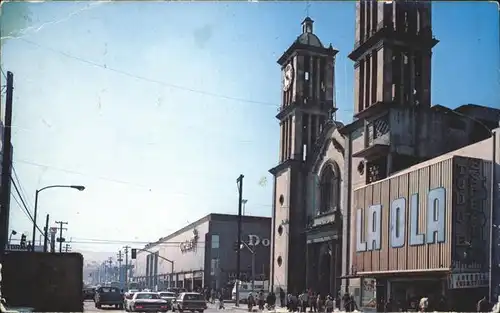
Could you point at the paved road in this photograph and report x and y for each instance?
(90, 307)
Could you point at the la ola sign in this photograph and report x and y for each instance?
(369, 225)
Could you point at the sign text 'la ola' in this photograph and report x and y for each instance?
(369, 225)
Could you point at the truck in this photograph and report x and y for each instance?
(109, 296)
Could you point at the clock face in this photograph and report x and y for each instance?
(287, 77)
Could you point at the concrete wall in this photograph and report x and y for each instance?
(282, 238)
(227, 232)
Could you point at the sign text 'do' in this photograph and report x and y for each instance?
(369, 224)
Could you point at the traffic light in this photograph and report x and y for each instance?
(133, 254)
(236, 247)
(23, 241)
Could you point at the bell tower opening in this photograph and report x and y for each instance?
(392, 53)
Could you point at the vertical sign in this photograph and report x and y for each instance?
(470, 217)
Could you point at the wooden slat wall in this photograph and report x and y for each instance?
(419, 181)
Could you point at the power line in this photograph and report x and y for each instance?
(155, 81)
(150, 80)
(117, 242)
(23, 207)
(23, 192)
(113, 180)
(3, 73)
(21, 198)
(20, 206)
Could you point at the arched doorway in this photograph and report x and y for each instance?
(324, 268)
(324, 236)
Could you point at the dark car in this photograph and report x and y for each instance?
(190, 301)
(110, 296)
(89, 293)
(169, 297)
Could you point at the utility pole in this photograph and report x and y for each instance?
(126, 266)
(105, 272)
(110, 262)
(46, 234)
(61, 238)
(6, 165)
(119, 260)
(67, 248)
(239, 181)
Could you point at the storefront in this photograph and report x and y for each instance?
(422, 233)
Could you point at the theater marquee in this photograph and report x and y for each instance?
(423, 219)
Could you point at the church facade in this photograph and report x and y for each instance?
(322, 161)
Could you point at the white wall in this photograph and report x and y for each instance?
(188, 261)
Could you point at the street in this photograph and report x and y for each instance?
(89, 307)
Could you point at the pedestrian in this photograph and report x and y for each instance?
(329, 304)
(483, 305)
(221, 302)
(282, 298)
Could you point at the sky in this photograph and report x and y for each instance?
(156, 108)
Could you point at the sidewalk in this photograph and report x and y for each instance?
(244, 307)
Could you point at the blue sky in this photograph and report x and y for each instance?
(158, 107)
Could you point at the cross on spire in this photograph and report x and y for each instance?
(308, 5)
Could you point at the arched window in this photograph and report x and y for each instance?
(330, 189)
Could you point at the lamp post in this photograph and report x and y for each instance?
(252, 251)
(12, 233)
(79, 188)
(244, 202)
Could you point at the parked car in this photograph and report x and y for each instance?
(190, 301)
(169, 297)
(110, 296)
(89, 293)
(146, 302)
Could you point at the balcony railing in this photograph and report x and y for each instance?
(378, 131)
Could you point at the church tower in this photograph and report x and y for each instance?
(308, 103)
(392, 54)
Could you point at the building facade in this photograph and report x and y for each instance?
(322, 161)
(424, 232)
(203, 254)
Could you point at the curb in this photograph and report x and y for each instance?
(245, 308)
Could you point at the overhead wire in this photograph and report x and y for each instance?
(155, 81)
(23, 192)
(120, 242)
(23, 205)
(109, 179)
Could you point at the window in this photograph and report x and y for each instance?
(213, 266)
(279, 260)
(280, 230)
(147, 296)
(329, 189)
(215, 241)
(193, 296)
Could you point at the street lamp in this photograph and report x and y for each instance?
(12, 233)
(77, 187)
(252, 251)
(244, 202)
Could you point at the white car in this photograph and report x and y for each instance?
(146, 302)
